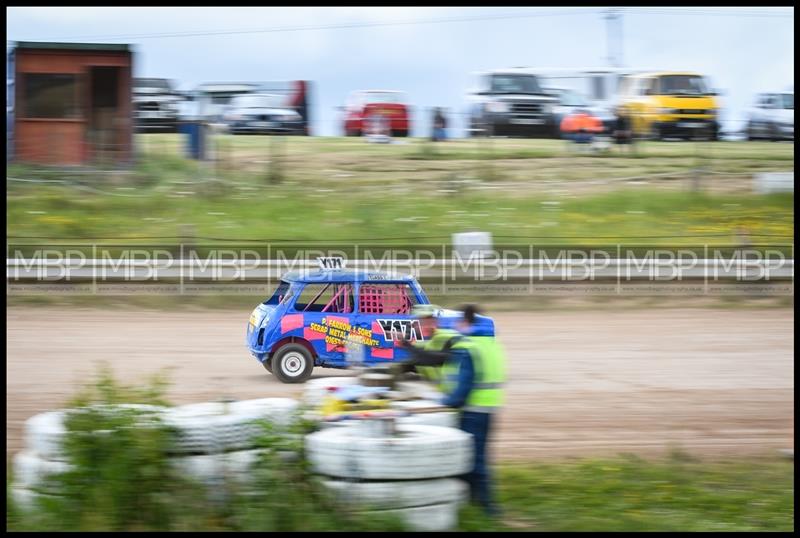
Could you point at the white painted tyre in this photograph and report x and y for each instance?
(32, 471)
(314, 390)
(445, 419)
(45, 432)
(415, 452)
(208, 428)
(399, 494)
(432, 518)
(280, 411)
(211, 469)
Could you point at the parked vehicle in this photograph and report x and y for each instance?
(670, 104)
(313, 318)
(156, 104)
(570, 102)
(771, 117)
(211, 100)
(510, 102)
(598, 85)
(363, 104)
(262, 113)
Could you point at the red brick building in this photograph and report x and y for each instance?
(70, 103)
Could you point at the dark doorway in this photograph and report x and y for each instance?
(104, 131)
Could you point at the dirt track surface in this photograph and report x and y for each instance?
(712, 382)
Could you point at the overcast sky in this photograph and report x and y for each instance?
(742, 50)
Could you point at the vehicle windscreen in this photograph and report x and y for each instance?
(515, 84)
(256, 101)
(788, 101)
(383, 98)
(682, 85)
(570, 98)
(281, 294)
(159, 83)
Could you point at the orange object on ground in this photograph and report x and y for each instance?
(581, 122)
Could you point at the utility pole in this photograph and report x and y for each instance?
(614, 57)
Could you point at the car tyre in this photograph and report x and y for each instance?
(293, 364)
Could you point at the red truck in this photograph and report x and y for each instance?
(363, 104)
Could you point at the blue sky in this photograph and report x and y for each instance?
(741, 54)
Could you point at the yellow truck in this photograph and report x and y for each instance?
(670, 104)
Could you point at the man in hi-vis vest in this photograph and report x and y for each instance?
(471, 375)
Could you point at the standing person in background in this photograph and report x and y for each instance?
(439, 125)
(622, 131)
(581, 127)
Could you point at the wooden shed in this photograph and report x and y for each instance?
(71, 103)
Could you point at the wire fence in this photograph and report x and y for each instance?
(488, 158)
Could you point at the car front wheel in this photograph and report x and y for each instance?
(292, 363)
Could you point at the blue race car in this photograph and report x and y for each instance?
(319, 318)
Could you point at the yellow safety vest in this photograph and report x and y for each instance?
(489, 364)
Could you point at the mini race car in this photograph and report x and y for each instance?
(326, 318)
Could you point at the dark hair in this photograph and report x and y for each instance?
(470, 311)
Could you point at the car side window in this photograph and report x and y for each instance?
(327, 297)
(386, 298)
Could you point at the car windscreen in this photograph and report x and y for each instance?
(383, 98)
(682, 85)
(570, 98)
(515, 84)
(257, 101)
(159, 83)
(281, 294)
(787, 100)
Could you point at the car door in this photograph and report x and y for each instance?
(384, 317)
(322, 315)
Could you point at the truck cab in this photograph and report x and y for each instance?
(670, 104)
(510, 102)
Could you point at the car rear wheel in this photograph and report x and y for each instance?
(292, 363)
(268, 365)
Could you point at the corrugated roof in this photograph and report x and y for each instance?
(43, 45)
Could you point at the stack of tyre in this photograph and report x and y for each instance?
(214, 442)
(409, 472)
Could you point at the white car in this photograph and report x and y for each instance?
(772, 117)
(262, 113)
(570, 101)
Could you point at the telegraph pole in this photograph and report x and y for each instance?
(614, 58)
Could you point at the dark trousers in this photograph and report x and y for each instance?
(479, 479)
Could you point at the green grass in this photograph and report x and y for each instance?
(628, 493)
(344, 189)
(284, 213)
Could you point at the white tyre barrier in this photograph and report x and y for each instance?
(314, 391)
(277, 410)
(414, 452)
(212, 468)
(45, 432)
(208, 428)
(431, 518)
(401, 494)
(32, 471)
(445, 419)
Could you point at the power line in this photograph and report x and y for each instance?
(761, 12)
(328, 27)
